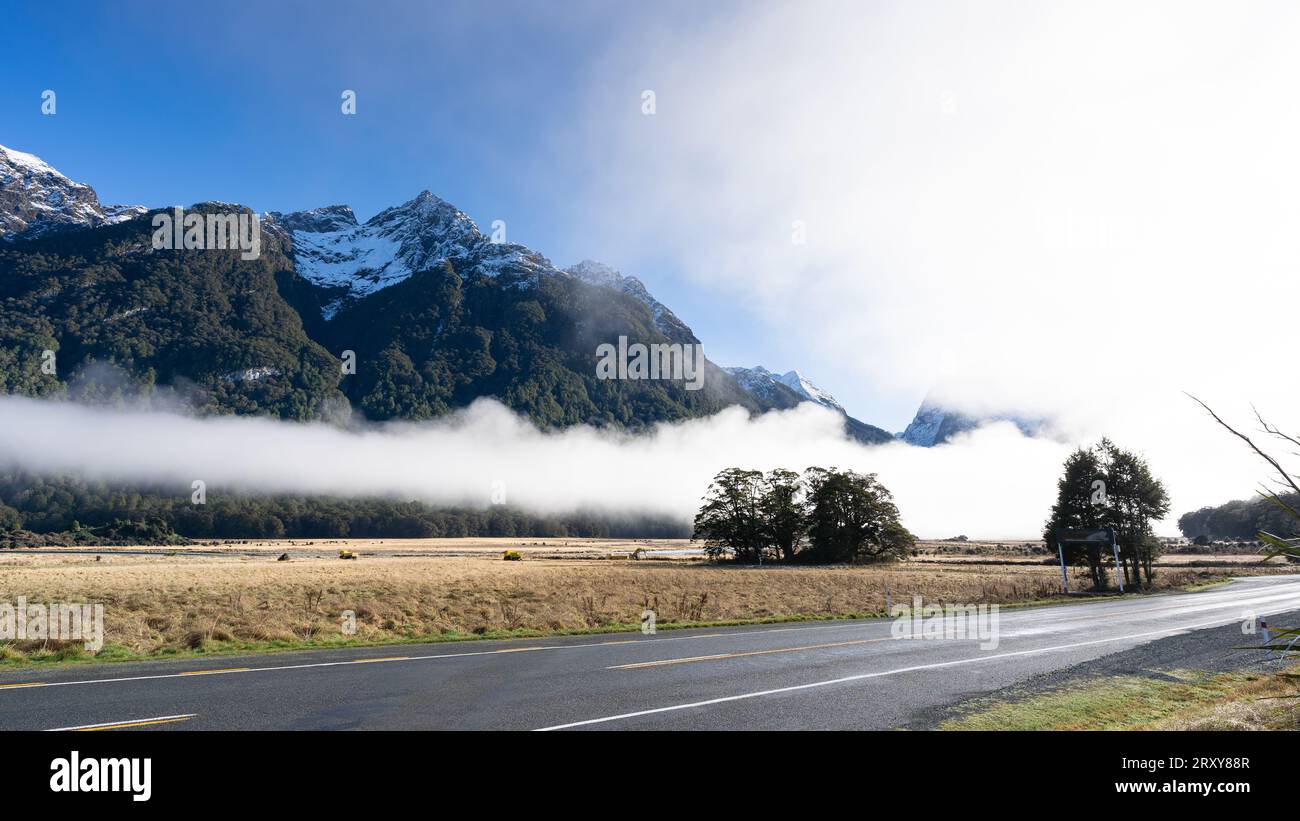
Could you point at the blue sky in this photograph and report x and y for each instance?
(241, 101)
(482, 103)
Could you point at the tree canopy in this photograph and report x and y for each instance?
(1105, 486)
(826, 516)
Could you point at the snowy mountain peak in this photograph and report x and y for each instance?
(598, 273)
(35, 199)
(759, 381)
(427, 224)
(331, 250)
(791, 388)
(317, 220)
(28, 162)
(800, 384)
(934, 424)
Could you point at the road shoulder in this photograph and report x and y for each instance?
(1205, 679)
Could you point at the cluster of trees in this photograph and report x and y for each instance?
(824, 516)
(123, 513)
(1105, 486)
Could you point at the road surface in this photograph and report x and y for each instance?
(820, 675)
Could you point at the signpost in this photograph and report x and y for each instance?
(1088, 537)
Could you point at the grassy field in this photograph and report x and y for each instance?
(1194, 701)
(234, 596)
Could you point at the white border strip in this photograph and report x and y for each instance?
(124, 721)
(861, 676)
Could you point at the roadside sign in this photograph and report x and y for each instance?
(1090, 534)
(1086, 536)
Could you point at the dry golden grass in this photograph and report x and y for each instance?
(484, 546)
(237, 596)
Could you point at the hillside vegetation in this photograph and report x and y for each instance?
(220, 334)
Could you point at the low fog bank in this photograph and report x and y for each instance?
(992, 483)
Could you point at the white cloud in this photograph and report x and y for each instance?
(991, 483)
(457, 460)
(990, 191)
(1077, 209)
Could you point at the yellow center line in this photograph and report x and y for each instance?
(27, 684)
(214, 672)
(129, 724)
(640, 664)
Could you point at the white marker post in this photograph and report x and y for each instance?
(1064, 576)
(1268, 638)
(1115, 546)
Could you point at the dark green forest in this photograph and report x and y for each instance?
(128, 323)
(35, 510)
(1242, 519)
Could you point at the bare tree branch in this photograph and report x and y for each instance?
(1286, 477)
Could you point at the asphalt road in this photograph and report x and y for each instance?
(821, 675)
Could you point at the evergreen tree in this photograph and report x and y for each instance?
(852, 517)
(1105, 486)
(782, 511)
(730, 522)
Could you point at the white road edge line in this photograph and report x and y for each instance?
(1262, 600)
(115, 723)
(861, 676)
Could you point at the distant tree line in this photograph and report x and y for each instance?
(824, 516)
(1240, 520)
(125, 513)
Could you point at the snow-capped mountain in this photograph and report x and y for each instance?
(800, 384)
(765, 386)
(598, 273)
(759, 381)
(369, 269)
(925, 428)
(333, 251)
(36, 200)
(353, 260)
(935, 424)
(792, 387)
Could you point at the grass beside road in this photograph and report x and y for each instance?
(1185, 700)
